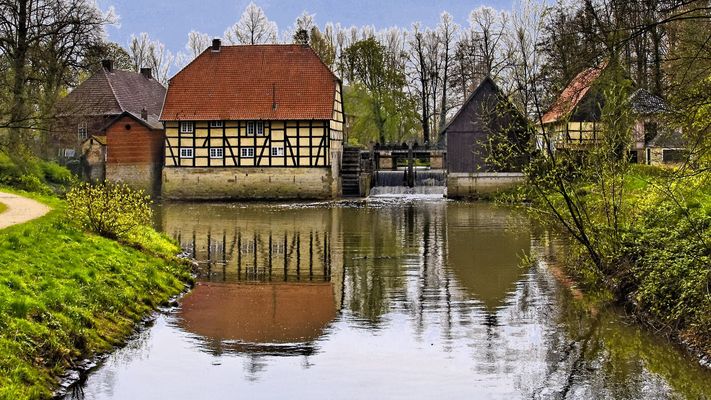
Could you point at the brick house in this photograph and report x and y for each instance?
(88, 109)
(256, 121)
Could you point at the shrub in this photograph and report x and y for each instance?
(34, 174)
(55, 173)
(32, 183)
(9, 172)
(110, 210)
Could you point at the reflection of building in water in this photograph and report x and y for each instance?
(258, 243)
(483, 253)
(272, 318)
(426, 256)
(270, 278)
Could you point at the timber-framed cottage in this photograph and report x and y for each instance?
(254, 121)
(574, 122)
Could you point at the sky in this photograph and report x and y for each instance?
(170, 20)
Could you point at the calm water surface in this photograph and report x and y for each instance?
(382, 299)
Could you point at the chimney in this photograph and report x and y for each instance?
(108, 65)
(216, 44)
(146, 72)
(144, 112)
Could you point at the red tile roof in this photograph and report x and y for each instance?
(243, 82)
(572, 95)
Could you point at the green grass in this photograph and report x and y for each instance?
(3, 207)
(66, 294)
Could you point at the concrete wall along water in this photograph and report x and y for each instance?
(481, 184)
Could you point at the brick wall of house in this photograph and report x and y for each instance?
(134, 154)
(130, 142)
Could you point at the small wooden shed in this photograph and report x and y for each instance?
(486, 115)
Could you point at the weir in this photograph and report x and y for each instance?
(395, 183)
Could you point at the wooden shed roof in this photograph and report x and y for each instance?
(252, 82)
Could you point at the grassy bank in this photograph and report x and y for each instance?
(659, 264)
(66, 294)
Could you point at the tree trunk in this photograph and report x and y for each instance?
(443, 103)
(18, 111)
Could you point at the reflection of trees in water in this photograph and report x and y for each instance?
(593, 353)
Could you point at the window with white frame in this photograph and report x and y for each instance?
(187, 127)
(277, 151)
(216, 152)
(69, 153)
(216, 124)
(186, 152)
(247, 152)
(255, 128)
(82, 130)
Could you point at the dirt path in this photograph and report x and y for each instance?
(19, 209)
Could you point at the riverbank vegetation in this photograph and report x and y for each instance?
(641, 232)
(67, 293)
(656, 262)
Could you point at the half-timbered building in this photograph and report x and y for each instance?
(574, 121)
(258, 121)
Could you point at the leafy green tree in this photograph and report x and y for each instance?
(382, 83)
(107, 51)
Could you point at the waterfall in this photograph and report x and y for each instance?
(393, 183)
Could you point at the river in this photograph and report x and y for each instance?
(383, 299)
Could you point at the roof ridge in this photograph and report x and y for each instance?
(108, 80)
(469, 99)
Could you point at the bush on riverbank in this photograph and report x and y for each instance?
(112, 210)
(660, 261)
(67, 294)
(35, 175)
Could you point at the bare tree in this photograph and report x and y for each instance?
(488, 27)
(423, 58)
(148, 53)
(197, 43)
(447, 31)
(523, 72)
(253, 27)
(138, 50)
(467, 68)
(41, 41)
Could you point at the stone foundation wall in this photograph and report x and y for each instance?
(144, 176)
(248, 183)
(481, 184)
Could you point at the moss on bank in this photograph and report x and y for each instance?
(66, 294)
